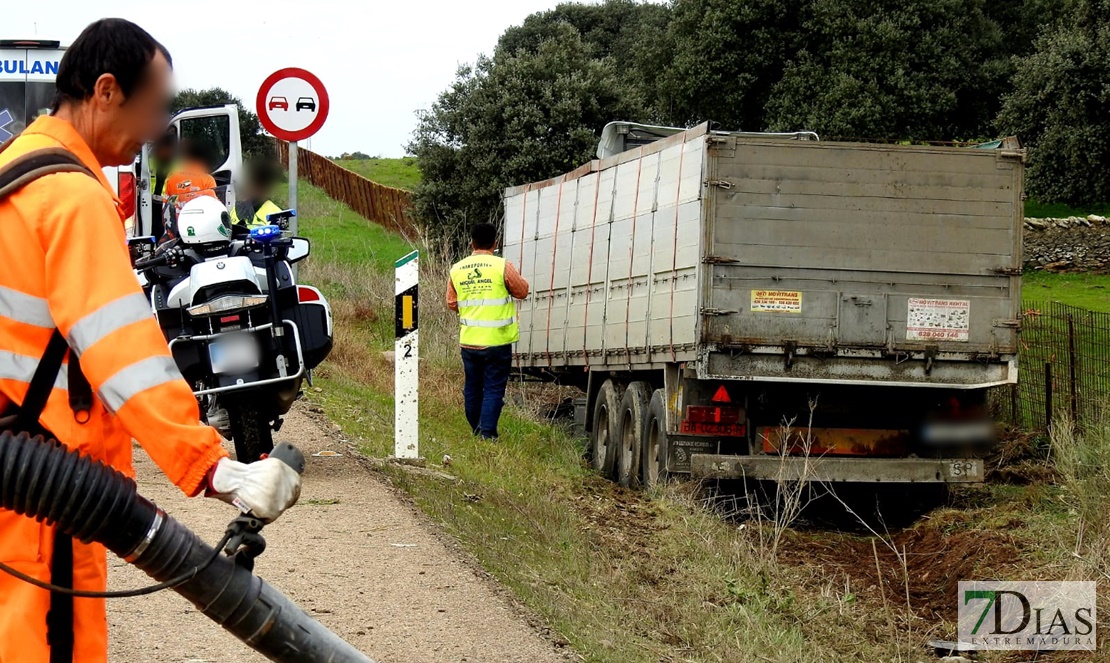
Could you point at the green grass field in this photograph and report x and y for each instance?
(401, 173)
(1090, 291)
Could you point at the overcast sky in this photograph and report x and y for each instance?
(380, 61)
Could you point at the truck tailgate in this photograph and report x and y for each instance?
(838, 247)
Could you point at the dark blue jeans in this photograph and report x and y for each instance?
(487, 375)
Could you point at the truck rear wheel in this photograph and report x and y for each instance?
(630, 439)
(656, 449)
(606, 424)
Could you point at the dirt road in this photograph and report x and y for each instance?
(362, 561)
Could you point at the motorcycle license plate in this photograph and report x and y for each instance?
(235, 354)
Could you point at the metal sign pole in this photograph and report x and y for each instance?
(293, 184)
(406, 358)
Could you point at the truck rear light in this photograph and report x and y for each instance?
(721, 396)
(126, 188)
(706, 414)
(306, 294)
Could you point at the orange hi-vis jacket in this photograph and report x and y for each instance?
(64, 263)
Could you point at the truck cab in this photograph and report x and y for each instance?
(28, 68)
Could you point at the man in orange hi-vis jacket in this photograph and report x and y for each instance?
(65, 273)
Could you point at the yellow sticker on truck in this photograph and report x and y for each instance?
(776, 301)
(938, 320)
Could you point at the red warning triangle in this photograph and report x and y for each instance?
(721, 396)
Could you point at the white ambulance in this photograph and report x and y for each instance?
(28, 68)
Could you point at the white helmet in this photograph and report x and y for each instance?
(203, 220)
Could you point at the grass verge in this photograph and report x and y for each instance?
(624, 577)
(401, 173)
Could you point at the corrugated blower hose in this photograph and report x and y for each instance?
(90, 501)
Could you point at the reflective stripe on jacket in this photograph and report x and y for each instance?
(487, 315)
(64, 263)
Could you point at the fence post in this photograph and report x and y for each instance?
(1048, 396)
(1072, 382)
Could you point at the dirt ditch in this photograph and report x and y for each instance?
(925, 559)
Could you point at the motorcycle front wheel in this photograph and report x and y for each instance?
(250, 430)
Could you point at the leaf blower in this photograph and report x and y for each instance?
(90, 501)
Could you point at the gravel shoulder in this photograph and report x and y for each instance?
(353, 554)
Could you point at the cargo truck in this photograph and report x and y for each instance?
(772, 306)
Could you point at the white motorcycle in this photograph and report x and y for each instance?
(241, 330)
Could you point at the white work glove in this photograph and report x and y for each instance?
(265, 487)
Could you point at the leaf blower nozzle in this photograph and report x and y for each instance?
(90, 501)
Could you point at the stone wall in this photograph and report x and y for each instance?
(1074, 243)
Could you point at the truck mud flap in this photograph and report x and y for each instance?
(825, 469)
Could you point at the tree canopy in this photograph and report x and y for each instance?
(519, 116)
(1060, 107)
(921, 70)
(255, 144)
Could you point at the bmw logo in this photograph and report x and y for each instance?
(220, 265)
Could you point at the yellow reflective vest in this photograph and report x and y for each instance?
(156, 188)
(259, 219)
(487, 315)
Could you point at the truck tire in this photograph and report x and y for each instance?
(250, 431)
(653, 458)
(606, 425)
(630, 436)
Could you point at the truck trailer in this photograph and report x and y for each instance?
(771, 306)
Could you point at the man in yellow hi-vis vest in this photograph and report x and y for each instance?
(256, 205)
(162, 162)
(481, 290)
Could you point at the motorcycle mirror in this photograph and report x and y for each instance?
(281, 219)
(299, 251)
(140, 247)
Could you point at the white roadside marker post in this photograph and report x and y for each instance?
(406, 359)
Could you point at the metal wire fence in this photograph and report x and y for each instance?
(1064, 366)
(384, 205)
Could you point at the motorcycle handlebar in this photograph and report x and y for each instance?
(153, 261)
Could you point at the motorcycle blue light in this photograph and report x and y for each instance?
(265, 234)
